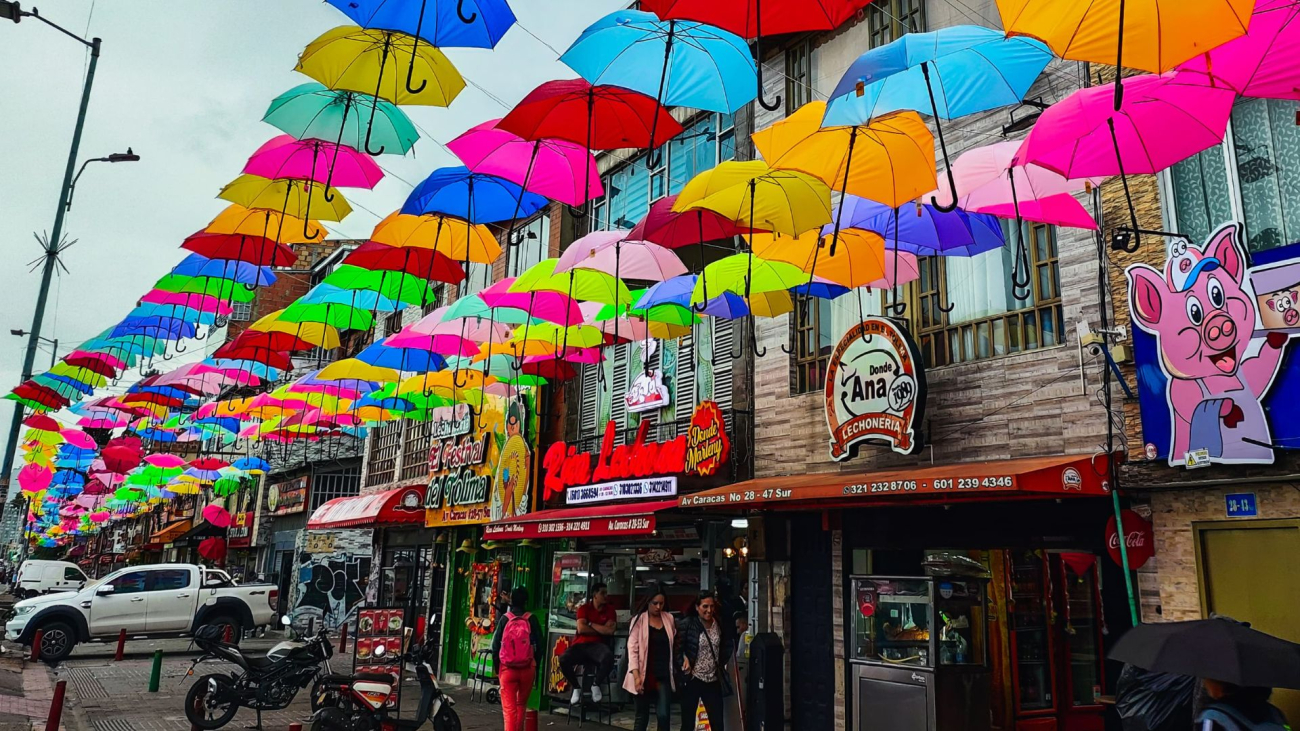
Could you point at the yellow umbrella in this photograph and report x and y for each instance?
(1153, 35)
(857, 262)
(516, 349)
(890, 160)
(316, 333)
(575, 336)
(289, 196)
(366, 61)
(284, 228)
(452, 237)
(351, 369)
(758, 197)
(442, 381)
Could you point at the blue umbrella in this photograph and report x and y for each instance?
(160, 328)
(364, 299)
(261, 370)
(405, 359)
(475, 197)
(196, 265)
(974, 69)
(179, 312)
(449, 23)
(678, 62)
(251, 464)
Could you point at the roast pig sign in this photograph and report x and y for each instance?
(875, 390)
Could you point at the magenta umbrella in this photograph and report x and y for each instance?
(1264, 63)
(34, 478)
(217, 515)
(1158, 124)
(314, 160)
(556, 307)
(551, 167)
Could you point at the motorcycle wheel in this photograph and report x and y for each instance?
(446, 720)
(493, 696)
(202, 710)
(323, 696)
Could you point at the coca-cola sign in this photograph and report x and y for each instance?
(1139, 541)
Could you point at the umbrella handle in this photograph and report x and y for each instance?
(897, 308)
(180, 347)
(578, 212)
(166, 356)
(952, 186)
(951, 306)
(787, 349)
(369, 129)
(410, 71)
(943, 146)
(460, 10)
(306, 230)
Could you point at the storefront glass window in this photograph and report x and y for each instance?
(1031, 640)
(892, 621)
(1081, 634)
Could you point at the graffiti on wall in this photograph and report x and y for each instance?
(332, 576)
(1210, 343)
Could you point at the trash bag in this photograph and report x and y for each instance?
(1148, 701)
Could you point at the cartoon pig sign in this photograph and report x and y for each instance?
(1202, 311)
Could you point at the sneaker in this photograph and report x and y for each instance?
(595, 693)
(577, 696)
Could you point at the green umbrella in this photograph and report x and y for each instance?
(225, 289)
(746, 274)
(149, 476)
(475, 307)
(343, 317)
(587, 285)
(401, 286)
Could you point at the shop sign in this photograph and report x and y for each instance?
(484, 473)
(698, 452)
(450, 422)
(875, 390)
(241, 530)
(654, 487)
(647, 392)
(1139, 541)
(285, 498)
(1241, 505)
(320, 541)
(628, 525)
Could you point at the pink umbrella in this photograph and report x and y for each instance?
(1158, 124)
(99, 419)
(472, 328)
(584, 247)
(105, 357)
(315, 160)
(554, 168)
(33, 478)
(78, 439)
(200, 302)
(989, 181)
(234, 375)
(217, 515)
(1264, 63)
(639, 260)
(165, 461)
(555, 307)
(99, 516)
(900, 268)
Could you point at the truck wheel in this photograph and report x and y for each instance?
(57, 641)
(223, 621)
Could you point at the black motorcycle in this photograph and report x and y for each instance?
(266, 681)
(361, 701)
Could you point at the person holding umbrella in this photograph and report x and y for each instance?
(1239, 708)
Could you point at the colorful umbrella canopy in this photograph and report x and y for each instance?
(292, 197)
(858, 263)
(745, 274)
(453, 237)
(443, 23)
(989, 181)
(1261, 64)
(397, 286)
(241, 221)
(197, 265)
(474, 197)
(666, 227)
(317, 334)
(258, 250)
(601, 117)
(311, 111)
(554, 168)
(316, 160)
(758, 197)
(508, 306)
(924, 230)
(580, 284)
(357, 59)
(426, 264)
(626, 259)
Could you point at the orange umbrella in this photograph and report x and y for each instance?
(859, 262)
(287, 229)
(452, 237)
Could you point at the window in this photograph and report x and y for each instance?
(534, 245)
(129, 583)
(798, 76)
(168, 579)
(985, 318)
(477, 279)
(439, 291)
(241, 311)
(888, 20)
(1250, 178)
(393, 322)
(71, 574)
(813, 341)
(726, 138)
(385, 445)
(329, 485)
(415, 449)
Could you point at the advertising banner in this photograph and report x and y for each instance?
(481, 468)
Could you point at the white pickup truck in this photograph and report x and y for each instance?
(157, 600)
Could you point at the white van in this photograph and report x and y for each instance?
(41, 577)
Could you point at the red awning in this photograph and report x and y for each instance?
(392, 507)
(627, 519)
(1035, 477)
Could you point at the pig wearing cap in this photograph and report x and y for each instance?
(1201, 310)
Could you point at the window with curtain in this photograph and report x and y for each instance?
(798, 76)
(534, 245)
(888, 20)
(811, 333)
(965, 309)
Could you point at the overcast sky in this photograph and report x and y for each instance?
(185, 84)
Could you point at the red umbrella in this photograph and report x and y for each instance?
(92, 364)
(252, 341)
(120, 459)
(37, 394)
(41, 422)
(665, 227)
(415, 261)
(213, 549)
(209, 463)
(601, 117)
(270, 357)
(757, 18)
(257, 250)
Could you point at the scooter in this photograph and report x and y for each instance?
(362, 699)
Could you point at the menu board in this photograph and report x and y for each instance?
(378, 647)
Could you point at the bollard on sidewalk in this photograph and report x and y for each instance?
(530, 720)
(121, 646)
(343, 637)
(295, 727)
(36, 645)
(56, 706)
(155, 674)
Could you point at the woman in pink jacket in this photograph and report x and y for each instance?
(649, 664)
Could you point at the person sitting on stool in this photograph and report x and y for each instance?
(590, 648)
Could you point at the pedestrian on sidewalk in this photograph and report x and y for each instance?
(516, 652)
(701, 654)
(1238, 708)
(650, 660)
(590, 648)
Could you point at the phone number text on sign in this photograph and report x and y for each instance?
(1001, 482)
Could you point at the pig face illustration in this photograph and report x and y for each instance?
(1286, 304)
(1200, 309)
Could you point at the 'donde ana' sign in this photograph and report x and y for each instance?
(875, 390)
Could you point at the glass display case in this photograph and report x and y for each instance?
(1081, 631)
(570, 577)
(1031, 640)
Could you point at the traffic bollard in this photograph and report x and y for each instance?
(36, 645)
(155, 675)
(530, 720)
(121, 645)
(343, 637)
(56, 706)
(228, 634)
(295, 727)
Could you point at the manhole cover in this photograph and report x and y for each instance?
(87, 686)
(112, 724)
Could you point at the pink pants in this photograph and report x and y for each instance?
(516, 684)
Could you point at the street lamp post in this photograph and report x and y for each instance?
(13, 11)
(53, 343)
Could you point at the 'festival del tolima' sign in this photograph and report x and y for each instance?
(480, 467)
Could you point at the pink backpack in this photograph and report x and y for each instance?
(516, 641)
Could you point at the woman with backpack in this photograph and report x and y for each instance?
(517, 651)
(1238, 708)
(703, 648)
(650, 660)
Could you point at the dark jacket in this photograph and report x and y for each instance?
(690, 644)
(535, 636)
(1238, 714)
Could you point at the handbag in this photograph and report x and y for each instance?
(718, 667)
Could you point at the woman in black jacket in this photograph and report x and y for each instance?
(703, 649)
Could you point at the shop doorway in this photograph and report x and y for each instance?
(812, 667)
(1247, 573)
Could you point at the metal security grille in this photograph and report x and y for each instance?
(384, 450)
(329, 485)
(415, 449)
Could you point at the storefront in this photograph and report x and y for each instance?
(284, 505)
(972, 591)
(241, 560)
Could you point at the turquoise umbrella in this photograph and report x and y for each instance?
(312, 111)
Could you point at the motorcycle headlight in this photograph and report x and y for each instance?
(23, 611)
